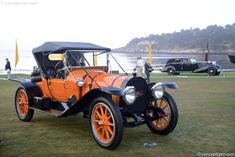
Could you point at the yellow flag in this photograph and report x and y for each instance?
(150, 53)
(16, 55)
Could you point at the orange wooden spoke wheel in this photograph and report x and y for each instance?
(103, 123)
(22, 103)
(163, 119)
(162, 115)
(23, 111)
(106, 122)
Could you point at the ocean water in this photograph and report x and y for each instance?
(126, 60)
(160, 58)
(27, 62)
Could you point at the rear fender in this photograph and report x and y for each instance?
(31, 88)
(32, 91)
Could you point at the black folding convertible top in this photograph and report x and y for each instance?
(57, 47)
(41, 53)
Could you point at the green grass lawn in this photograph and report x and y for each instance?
(206, 124)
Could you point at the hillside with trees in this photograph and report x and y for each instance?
(220, 39)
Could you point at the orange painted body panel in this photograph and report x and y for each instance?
(44, 88)
(62, 89)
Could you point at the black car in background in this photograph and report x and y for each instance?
(178, 65)
(232, 58)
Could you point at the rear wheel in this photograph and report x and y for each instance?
(106, 123)
(23, 111)
(162, 115)
(212, 71)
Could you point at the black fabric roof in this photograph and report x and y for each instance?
(62, 46)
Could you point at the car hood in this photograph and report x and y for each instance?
(96, 78)
(110, 80)
(206, 62)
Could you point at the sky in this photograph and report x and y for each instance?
(109, 23)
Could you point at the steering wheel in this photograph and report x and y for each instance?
(59, 70)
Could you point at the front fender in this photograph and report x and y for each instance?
(171, 85)
(84, 102)
(113, 91)
(202, 69)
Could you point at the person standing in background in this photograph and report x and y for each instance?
(148, 69)
(8, 68)
(139, 66)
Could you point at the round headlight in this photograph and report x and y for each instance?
(157, 90)
(80, 82)
(129, 94)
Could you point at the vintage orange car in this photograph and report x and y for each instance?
(70, 80)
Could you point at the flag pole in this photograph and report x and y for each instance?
(150, 52)
(16, 55)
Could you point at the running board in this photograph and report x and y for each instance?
(47, 105)
(134, 123)
(54, 112)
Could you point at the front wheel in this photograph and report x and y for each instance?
(23, 111)
(106, 123)
(162, 115)
(171, 71)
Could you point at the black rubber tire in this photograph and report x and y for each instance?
(174, 117)
(117, 116)
(30, 112)
(171, 71)
(211, 71)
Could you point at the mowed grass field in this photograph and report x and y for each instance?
(206, 124)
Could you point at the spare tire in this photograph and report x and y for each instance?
(35, 73)
(36, 79)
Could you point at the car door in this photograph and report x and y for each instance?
(57, 89)
(186, 65)
(177, 65)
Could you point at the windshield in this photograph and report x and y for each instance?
(83, 58)
(77, 59)
(74, 59)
